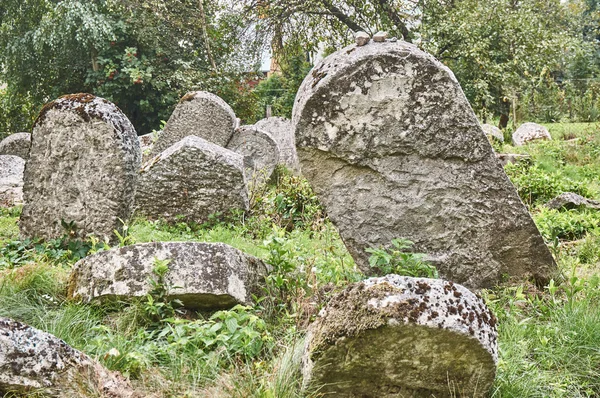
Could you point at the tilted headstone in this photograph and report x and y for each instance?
(201, 114)
(282, 130)
(402, 337)
(530, 132)
(17, 145)
(82, 171)
(11, 180)
(201, 275)
(260, 151)
(192, 180)
(493, 132)
(393, 149)
(570, 200)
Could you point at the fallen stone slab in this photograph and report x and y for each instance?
(282, 130)
(260, 150)
(528, 132)
(506, 158)
(391, 146)
(32, 361)
(570, 200)
(11, 180)
(201, 114)
(190, 181)
(493, 132)
(82, 170)
(16, 144)
(202, 275)
(402, 337)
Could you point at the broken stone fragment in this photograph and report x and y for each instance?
(528, 132)
(201, 275)
(570, 200)
(380, 37)
(11, 180)
(400, 336)
(361, 38)
(17, 145)
(32, 361)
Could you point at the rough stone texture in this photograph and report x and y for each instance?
(35, 361)
(570, 200)
(201, 114)
(282, 130)
(506, 158)
(530, 132)
(390, 144)
(17, 145)
(402, 337)
(194, 179)
(260, 151)
(380, 37)
(83, 166)
(208, 275)
(361, 38)
(493, 132)
(11, 180)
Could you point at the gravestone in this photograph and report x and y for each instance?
(570, 200)
(282, 130)
(402, 337)
(259, 149)
(493, 132)
(528, 132)
(393, 149)
(201, 114)
(192, 180)
(81, 174)
(11, 180)
(17, 145)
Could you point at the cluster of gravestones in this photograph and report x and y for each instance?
(387, 139)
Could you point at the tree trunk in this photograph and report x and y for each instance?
(205, 34)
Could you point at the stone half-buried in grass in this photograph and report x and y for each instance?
(400, 336)
(201, 275)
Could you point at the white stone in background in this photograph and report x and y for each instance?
(361, 38)
(493, 132)
(11, 180)
(282, 130)
(17, 145)
(259, 149)
(530, 132)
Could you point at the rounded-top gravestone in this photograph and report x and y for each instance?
(260, 151)
(282, 130)
(82, 171)
(493, 132)
(11, 180)
(391, 146)
(528, 132)
(16, 144)
(201, 114)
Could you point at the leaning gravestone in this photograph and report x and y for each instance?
(201, 114)
(17, 145)
(402, 337)
(201, 275)
(260, 151)
(493, 132)
(11, 180)
(282, 130)
(390, 144)
(530, 132)
(192, 180)
(82, 169)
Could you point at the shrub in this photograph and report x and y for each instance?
(398, 260)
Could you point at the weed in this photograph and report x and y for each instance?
(398, 260)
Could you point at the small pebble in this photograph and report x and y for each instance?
(380, 37)
(361, 38)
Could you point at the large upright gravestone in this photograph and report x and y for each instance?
(389, 142)
(82, 169)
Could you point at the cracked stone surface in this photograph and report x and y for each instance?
(201, 114)
(400, 336)
(11, 180)
(35, 361)
(493, 132)
(259, 149)
(570, 200)
(393, 149)
(206, 275)
(282, 130)
(83, 167)
(17, 145)
(528, 132)
(192, 179)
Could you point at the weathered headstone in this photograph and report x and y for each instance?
(282, 130)
(530, 132)
(402, 337)
(201, 114)
(192, 179)
(393, 149)
(32, 361)
(17, 145)
(202, 275)
(260, 151)
(82, 169)
(11, 180)
(493, 132)
(570, 200)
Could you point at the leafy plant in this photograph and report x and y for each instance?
(159, 306)
(397, 260)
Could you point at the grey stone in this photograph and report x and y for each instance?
(506, 158)
(260, 151)
(17, 145)
(202, 275)
(11, 180)
(34, 361)
(393, 149)
(493, 132)
(201, 114)
(282, 130)
(402, 337)
(83, 166)
(528, 132)
(380, 37)
(361, 38)
(192, 179)
(570, 200)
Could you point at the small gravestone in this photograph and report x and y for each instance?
(402, 337)
(201, 114)
(493, 132)
(528, 132)
(282, 130)
(17, 145)
(192, 180)
(11, 180)
(201, 275)
(570, 200)
(393, 149)
(259, 149)
(82, 170)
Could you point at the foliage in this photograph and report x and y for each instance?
(569, 225)
(397, 260)
(158, 306)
